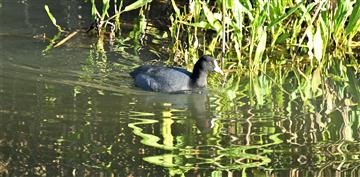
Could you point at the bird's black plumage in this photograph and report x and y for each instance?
(172, 79)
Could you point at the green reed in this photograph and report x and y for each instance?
(108, 20)
(254, 39)
(114, 21)
(52, 18)
(252, 27)
(266, 37)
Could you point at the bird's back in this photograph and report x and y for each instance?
(163, 79)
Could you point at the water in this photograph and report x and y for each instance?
(73, 112)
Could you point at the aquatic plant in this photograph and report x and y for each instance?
(266, 37)
(257, 39)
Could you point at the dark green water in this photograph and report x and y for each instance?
(75, 112)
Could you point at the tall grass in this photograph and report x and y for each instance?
(263, 37)
(114, 21)
(253, 37)
(251, 27)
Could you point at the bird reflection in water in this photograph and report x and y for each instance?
(196, 106)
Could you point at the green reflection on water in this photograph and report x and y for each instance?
(148, 139)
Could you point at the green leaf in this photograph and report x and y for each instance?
(260, 47)
(136, 5)
(286, 15)
(106, 6)
(93, 8)
(353, 26)
(52, 18)
(176, 9)
(238, 9)
(215, 24)
(316, 80)
(318, 44)
(343, 11)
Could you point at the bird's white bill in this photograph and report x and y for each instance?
(217, 68)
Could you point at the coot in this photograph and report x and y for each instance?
(172, 79)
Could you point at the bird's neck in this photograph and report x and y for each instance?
(199, 79)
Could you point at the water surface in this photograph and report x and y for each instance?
(74, 112)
